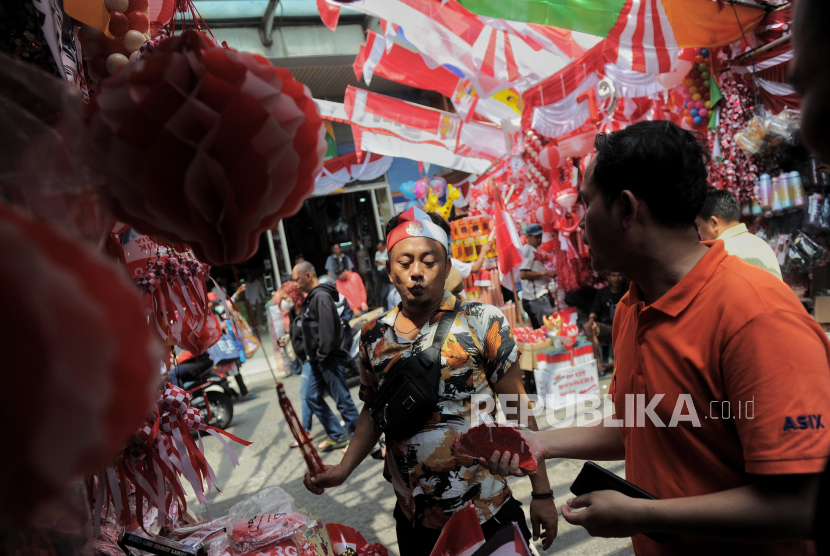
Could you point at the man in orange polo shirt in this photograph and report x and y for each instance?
(722, 381)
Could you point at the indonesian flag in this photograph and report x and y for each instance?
(397, 63)
(368, 141)
(344, 537)
(423, 126)
(487, 51)
(508, 541)
(411, 122)
(508, 244)
(461, 536)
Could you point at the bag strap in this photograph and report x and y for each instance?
(441, 333)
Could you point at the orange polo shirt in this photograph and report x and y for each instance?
(745, 372)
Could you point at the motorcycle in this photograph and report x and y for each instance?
(214, 385)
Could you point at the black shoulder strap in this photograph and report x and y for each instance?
(443, 330)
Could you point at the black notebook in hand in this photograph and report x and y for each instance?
(593, 478)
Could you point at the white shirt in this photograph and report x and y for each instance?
(464, 269)
(536, 288)
(739, 242)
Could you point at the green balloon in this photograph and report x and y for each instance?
(704, 75)
(702, 67)
(706, 83)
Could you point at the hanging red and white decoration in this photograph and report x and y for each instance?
(206, 146)
(86, 356)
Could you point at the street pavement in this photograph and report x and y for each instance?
(366, 500)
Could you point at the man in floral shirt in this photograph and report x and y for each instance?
(479, 356)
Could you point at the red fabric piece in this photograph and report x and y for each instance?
(509, 256)
(329, 13)
(482, 440)
(462, 534)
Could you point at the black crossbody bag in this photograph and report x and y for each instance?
(409, 393)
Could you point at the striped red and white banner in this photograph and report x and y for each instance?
(642, 38)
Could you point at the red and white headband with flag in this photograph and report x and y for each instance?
(416, 223)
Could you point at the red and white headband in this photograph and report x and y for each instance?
(416, 223)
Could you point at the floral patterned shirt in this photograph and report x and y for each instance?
(431, 482)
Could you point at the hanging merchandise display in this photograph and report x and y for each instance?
(80, 322)
(211, 182)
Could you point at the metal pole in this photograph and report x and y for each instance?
(381, 235)
(284, 245)
(274, 265)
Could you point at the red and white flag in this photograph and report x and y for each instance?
(425, 127)
(411, 122)
(343, 537)
(461, 536)
(508, 541)
(488, 52)
(508, 244)
(401, 65)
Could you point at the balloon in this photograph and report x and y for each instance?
(696, 96)
(693, 90)
(698, 120)
(408, 190)
(703, 112)
(549, 157)
(707, 104)
(688, 120)
(704, 52)
(702, 67)
(422, 189)
(693, 112)
(704, 75)
(699, 104)
(687, 97)
(699, 59)
(707, 83)
(439, 187)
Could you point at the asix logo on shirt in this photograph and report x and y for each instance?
(803, 422)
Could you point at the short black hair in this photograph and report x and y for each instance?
(721, 203)
(436, 219)
(658, 161)
(338, 269)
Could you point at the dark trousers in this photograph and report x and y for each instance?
(538, 308)
(417, 540)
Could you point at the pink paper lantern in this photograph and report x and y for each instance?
(206, 146)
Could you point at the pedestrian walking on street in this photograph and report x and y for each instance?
(292, 303)
(323, 341)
